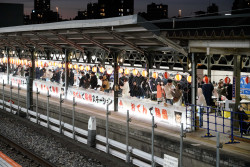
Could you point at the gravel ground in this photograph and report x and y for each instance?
(45, 146)
(18, 157)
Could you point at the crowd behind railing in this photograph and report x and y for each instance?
(160, 88)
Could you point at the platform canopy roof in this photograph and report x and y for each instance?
(129, 33)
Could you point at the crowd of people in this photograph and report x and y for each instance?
(163, 90)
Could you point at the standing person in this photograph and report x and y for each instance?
(125, 88)
(177, 95)
(93, 81)
(57, 79)
(201, 102)
(71, 78)
(105, 84)
(138, 80)
(168, 90)
(82, 79)
(63, 77)
(146, 88)
(221, 90)
(87, 81)
(160, 92)
(207, 90)
(130, 82)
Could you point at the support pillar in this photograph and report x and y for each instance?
(66, 60)
(116, 86)
(209, 66)
(149, 63)
(193, 91)
(7, 50)
(236, 93)
(31, 78)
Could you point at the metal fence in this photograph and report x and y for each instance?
(123, 151)
(215, 119)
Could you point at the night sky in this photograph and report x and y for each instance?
(68, 8)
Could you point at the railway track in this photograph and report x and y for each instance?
(26, 152)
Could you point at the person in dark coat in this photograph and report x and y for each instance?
(87, 81)
(93, 81)
(71, 78)
(138, 81)
(229, 91)
(57, 78)
(37, 73)
(130, 82)
(82, 80)
(207, 90)
(153, 84)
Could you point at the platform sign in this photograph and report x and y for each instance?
(170, 161)
(234, 88)
(244, 87)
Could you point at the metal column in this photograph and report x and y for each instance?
(48, 96)
(73, 117)
(116, 86)
(209, 66)
(11, 96)
(31, 78)
(193, 95)
(37, 93)
(8, 65)
(152, 138)
(127, 140)
(66, 60)
(237, 70)
(18, 100)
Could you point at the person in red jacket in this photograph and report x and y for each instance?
(160, 92)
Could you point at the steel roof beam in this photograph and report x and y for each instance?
(19, 44)
(170, 43)
(95, 42)
(48, 42)
(8, 44)
(126, 42)
(36, 45)
(68, 41)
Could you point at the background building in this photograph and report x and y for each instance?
(115, 8)
(155, 12)
(11, 14)
(241, 6)
(42, 12)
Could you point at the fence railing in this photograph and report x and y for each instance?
(117, 149)
(234, 124)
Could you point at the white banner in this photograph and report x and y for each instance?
(22, 81)
(99, 99)
(174, 115)
(55, 89)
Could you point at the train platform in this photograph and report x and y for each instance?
(6, 161)
(195, 139)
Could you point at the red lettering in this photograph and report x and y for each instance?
(57, 90)
(145, 111)
(158, 112)
(164, 114)
(132, 107)
(120, 103)
(86, 96)
(138, 108)
(53, 89)
(90, 98)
